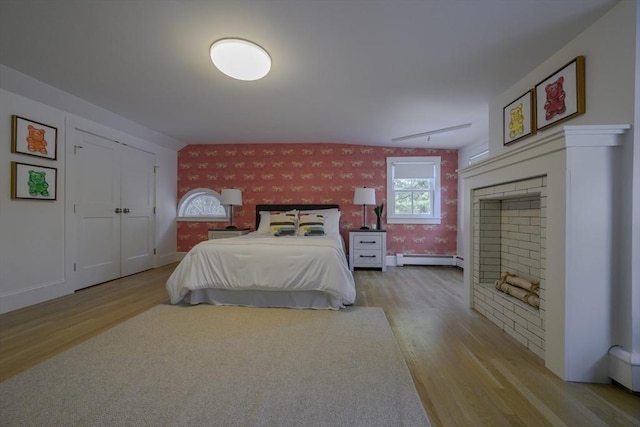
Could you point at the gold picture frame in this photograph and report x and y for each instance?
(561, 96)
(33, 138)
(33, 182)
(519, 118)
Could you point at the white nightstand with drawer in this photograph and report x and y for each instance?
(368, 249)
(223, 233)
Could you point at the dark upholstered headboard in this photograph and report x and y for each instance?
(289, 207)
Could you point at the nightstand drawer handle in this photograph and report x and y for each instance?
(364, 241)
(367, 256)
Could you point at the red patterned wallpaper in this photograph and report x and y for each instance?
(314, 173)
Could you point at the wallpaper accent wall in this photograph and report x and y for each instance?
(314, 173)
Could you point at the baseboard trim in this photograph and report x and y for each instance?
(24, 298)
(164, 259)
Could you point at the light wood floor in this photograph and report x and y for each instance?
(466, 370)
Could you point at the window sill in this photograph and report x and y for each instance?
(201, 219)
(414, 220)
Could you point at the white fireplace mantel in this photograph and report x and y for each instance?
(582, 166)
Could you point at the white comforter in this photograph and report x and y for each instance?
(265, 263)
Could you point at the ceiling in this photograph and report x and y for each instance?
(344, 71)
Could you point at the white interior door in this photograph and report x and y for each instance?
(137, 201)
(114, 196)
(97, 194)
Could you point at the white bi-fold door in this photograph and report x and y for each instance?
(113, 188)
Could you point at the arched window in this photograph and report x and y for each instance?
(201, 204)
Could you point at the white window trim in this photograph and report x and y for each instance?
(397, 219)
(200, 218)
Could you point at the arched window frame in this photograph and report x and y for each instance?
(190, 198)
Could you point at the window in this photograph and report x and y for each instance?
(201, 204)
(413, 190)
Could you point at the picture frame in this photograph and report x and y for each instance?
(519, 118)
(33, 182)
(33, 138)
(561, 96)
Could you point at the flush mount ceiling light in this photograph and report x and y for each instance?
(240, 59)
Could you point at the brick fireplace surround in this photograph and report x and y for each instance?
(509, 235)
(566, 236)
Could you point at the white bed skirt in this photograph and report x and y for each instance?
(254, 298)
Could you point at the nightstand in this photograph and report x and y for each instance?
(223, 233)
(368, 248)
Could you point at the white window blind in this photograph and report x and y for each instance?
(413, 170)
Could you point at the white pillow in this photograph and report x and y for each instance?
(265, 222)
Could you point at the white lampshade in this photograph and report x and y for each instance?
(231, 196)
(240, 59)
(364, 196)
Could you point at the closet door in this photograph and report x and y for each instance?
(137, 219)
(96, 181)
(113, 187)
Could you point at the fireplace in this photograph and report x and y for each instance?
(509, 230)
(548, 210)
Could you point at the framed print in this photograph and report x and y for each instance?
(33, 138)
(561, 96)
(33, 182)
(519, 118)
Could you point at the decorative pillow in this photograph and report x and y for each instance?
(264, 226)
(310, 224)
(283, 224)
(331, 219)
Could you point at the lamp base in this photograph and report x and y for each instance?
(231, 227)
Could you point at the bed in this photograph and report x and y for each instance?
(266, 269)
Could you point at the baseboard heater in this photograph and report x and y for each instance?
(424, 259)
(624, 368)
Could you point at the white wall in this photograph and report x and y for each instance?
(472, 152)
(32, 232)
(634, 228)
(34, 235)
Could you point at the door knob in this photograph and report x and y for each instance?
(126, 210)
(118, 210)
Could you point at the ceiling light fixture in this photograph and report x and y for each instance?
(240, 59)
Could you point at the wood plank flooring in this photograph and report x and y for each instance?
(466, 370)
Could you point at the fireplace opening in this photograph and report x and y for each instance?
(509, 249)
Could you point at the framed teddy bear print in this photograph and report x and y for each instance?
(33, 182)
(561, 96)
(33, 138)
(519, 118)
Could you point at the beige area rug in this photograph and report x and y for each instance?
(224, 366)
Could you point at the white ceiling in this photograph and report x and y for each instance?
(344, 71)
